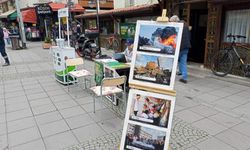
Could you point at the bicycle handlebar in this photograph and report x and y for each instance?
(236, 36)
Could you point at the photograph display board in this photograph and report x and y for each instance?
(148, 121)
(155, 54)
(149, 114)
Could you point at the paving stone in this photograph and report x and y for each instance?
(23, 136)
(34, 145)
(53, 128)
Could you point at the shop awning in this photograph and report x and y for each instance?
(29, 16)
(56, 6)
(12, 16)
(129, 11)
(6, 14)
(75, 8)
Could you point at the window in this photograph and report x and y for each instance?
(237, 22)
(129, 3)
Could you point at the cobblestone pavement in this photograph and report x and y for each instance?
(38, 113)
(183, 136)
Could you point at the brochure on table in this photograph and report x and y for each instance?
(149, 112)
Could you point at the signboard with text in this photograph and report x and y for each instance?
(64, 12)
(43, 9)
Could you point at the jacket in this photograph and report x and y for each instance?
(1, 36)
(185, 40)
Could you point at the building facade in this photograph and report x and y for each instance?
(212, 21)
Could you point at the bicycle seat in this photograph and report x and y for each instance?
(236, 36)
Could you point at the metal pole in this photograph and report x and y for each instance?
(98, 25)
(59, 27)
(68, 30)
(46, 30)
(21, 26)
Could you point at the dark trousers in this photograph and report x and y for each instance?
(3, 52)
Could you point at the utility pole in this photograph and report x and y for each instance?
(21, 26)
(98, 25)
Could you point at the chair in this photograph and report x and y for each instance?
(110, 86)
(77, 74)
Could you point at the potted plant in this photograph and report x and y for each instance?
(47, 43)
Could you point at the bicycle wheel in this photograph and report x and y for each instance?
(107, 45)
(115, 45)
(222, 63)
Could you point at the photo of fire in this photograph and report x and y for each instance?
(154, 69)
(158, 39)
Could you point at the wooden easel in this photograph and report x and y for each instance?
(163, 17)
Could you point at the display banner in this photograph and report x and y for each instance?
(127, 30)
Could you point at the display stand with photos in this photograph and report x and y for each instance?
(62, 52)
(151, 99)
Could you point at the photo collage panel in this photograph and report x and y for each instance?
(148, 121)
(155, 54)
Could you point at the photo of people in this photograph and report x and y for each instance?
(143, 138)
(154, 69)
(158, 38)
(150, 110)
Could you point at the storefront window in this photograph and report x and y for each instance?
(237, 22)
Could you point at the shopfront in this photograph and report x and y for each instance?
(211, 22)
(113, 22)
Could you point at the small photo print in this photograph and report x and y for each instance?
(150, 110)
(143, 138)
(153, 69)
(158, 38)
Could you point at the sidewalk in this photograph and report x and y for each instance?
(36, 112)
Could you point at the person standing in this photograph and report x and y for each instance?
(185, 45)
(128, 52)
(2, 48)
(6, 36)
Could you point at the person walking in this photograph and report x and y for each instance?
(185, 45)
(2, 48)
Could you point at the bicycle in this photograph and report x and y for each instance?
(112, 43)
(223, 61)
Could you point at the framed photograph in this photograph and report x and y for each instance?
(143, 138)
(149, 109)
(154, 69)
(155, 54)
(163, 38)
(147, 112)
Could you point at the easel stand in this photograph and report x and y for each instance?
(161, 94)
(155, 90)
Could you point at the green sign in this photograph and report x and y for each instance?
(128, 30)
(98, 73)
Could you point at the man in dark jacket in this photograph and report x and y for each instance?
(2, 48)
(185, 45)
